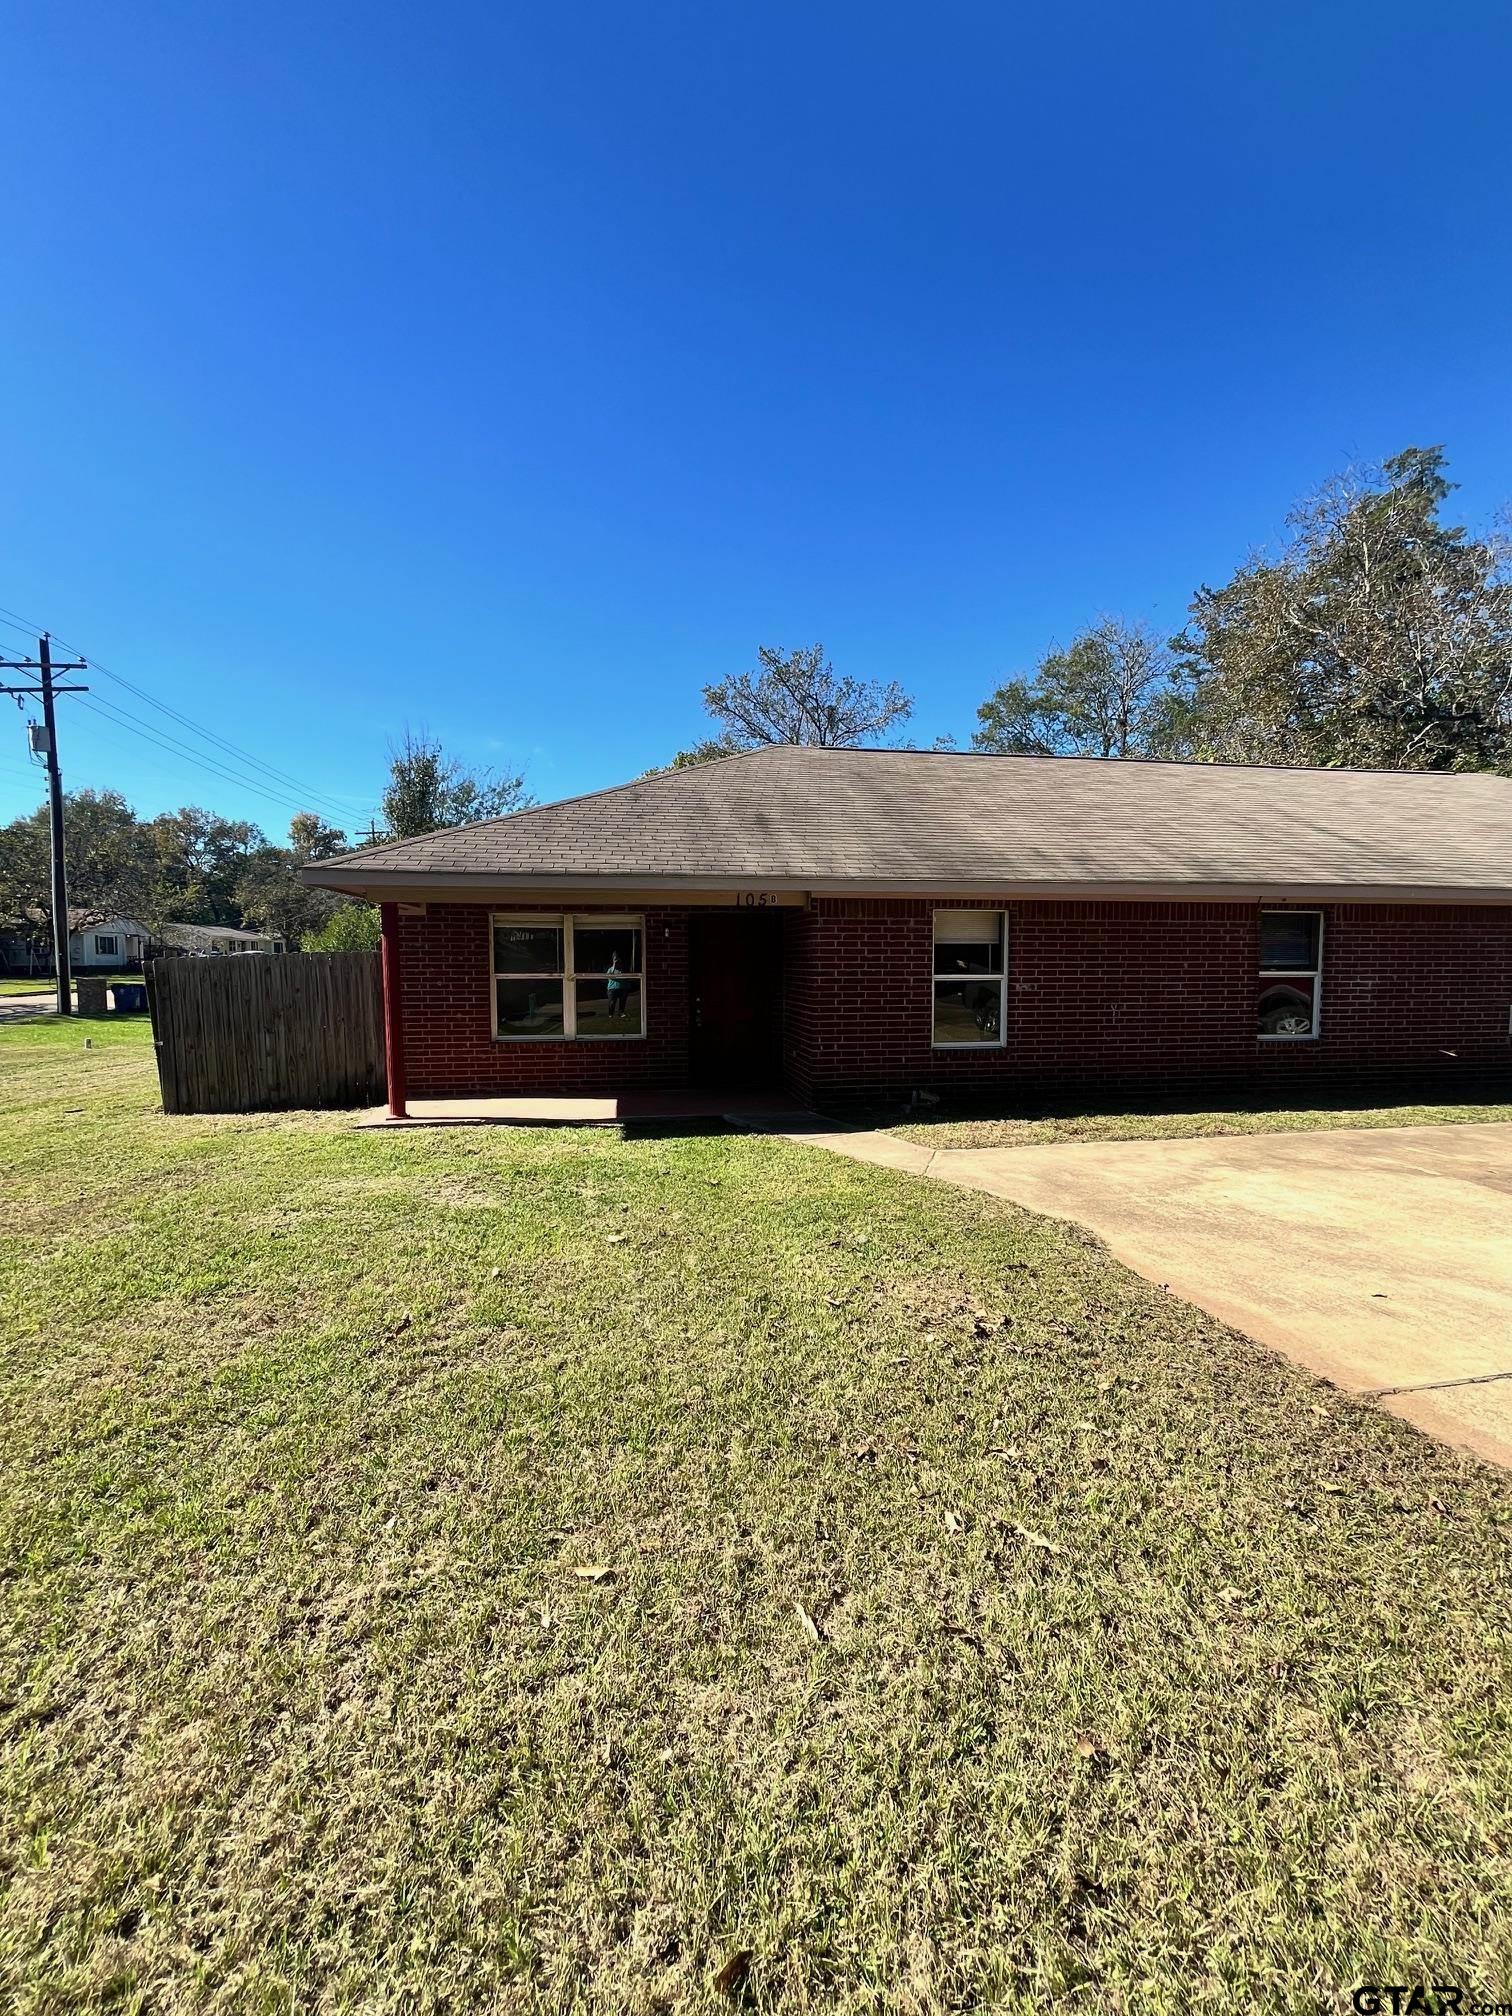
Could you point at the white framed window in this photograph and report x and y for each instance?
(107, 945)
(970, 978)
(1290, 1002)
(568, 979)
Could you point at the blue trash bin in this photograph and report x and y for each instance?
(130, 998)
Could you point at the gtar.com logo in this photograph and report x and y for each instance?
(1399, 1998)
(1402, 2000)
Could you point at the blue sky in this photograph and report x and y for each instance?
(512, 371)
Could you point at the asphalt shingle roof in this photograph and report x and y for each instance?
(900, 819)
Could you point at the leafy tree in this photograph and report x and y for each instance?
(269, 890)
(201, 859)
(270, 896)
(796, 696)
(189, 866)
(1380, 636)
(707, 752)
(1113, 691)
(352, 928)
(428, 789)
(311, 839)
(109, 862)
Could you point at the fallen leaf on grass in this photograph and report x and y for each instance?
(1038, 1539)
(1087, 1746)
(733, 1973)
(593, 1571)
(806, 1620)
(615, 1239)
(952, 1524)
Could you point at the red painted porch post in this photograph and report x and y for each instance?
(393, 1013)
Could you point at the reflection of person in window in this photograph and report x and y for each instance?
(614, 987)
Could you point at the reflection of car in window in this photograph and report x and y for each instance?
(984, 1010)
(1285, 1011)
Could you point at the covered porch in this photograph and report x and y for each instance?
(588, 1014)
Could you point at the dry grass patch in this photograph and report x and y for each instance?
(1136, 1123)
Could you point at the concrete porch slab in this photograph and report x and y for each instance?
(765, 1110)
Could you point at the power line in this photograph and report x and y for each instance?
(108, 711)
(196, 756)
(306, 793)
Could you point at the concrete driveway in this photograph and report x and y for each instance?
(1381, 1258)
(26, 1007)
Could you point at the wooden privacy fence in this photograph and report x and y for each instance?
(237, 1034)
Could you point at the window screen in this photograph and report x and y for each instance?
(1291, 970)
(969, 977)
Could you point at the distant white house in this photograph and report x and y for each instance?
(216, 941)
(110, 946)
(120, 944)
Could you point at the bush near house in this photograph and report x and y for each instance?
(352, 928)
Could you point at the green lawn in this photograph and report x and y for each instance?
(521, 1570)
(1133, 1123)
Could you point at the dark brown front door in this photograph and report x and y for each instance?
(735, 985)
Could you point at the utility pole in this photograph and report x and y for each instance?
(43, 666)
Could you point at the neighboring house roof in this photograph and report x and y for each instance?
(205, 934)
(853, 820)
(91, 920)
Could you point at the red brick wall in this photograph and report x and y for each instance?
(1143, 996)
(1140, 996)
(446, 961)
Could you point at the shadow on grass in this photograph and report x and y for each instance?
(1399, 1099)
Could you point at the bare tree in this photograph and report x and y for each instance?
(797, 696)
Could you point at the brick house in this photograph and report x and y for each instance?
(856, 924)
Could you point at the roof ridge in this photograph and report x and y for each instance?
(1128, 762)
